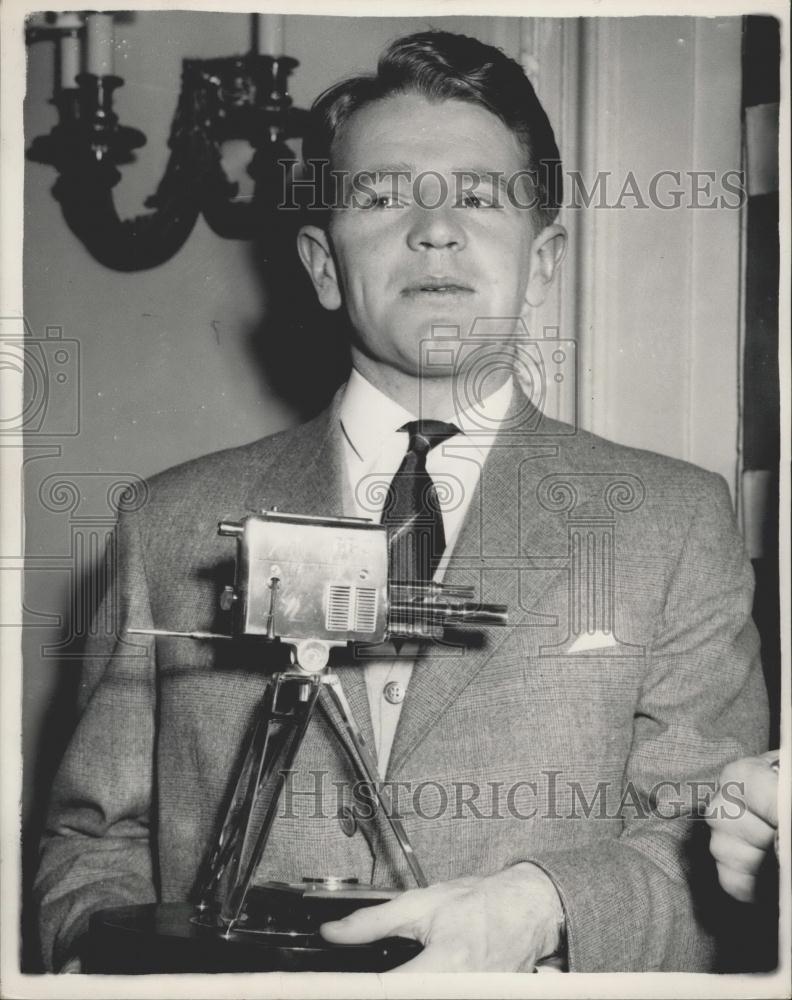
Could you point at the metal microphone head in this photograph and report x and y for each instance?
(425, 609)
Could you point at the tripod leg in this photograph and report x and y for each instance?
(369, 772)
(276, 753)
(228, 838)
(269, 733)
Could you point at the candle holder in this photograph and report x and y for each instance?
(238, 97)
(87, 128)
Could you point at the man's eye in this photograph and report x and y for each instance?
(382, 201)
(472, 200)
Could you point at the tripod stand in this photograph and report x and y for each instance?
(276, 736)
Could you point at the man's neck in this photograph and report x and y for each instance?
(436, 398)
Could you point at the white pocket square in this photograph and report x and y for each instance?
(587, 642)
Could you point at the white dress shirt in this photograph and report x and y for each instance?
(373, 450)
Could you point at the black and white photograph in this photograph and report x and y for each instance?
(395, 526)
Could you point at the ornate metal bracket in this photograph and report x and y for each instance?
(238, 97)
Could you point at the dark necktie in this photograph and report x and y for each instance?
(412, 511)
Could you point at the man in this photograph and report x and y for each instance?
(550, 771)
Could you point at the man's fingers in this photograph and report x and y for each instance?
(735, 854)
(753, 783)
(372, 923)
(740, 885)
(747, 828)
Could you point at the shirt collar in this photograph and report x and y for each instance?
(368, 416)
(485, 416)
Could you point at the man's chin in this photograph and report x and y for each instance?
(434, 309)
(438, 322)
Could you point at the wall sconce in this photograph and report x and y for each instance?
(236, 97)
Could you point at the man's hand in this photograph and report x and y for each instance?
(504, 922)
(741, 837)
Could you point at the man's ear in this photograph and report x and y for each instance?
(547, 252)
(313, 247)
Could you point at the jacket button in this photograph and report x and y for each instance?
(347, 821)
(394, 692)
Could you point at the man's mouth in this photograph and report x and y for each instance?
(436, 286)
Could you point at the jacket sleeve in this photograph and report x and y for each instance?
(640, 901)
(96, 849)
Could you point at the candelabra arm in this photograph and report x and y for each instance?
(247, 219)
(136, 244)
(223, 99)
(86, 146)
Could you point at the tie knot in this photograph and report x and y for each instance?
(427, 434)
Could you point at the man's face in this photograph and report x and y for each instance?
(426, 247)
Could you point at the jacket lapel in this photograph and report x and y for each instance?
(503, 538)
(307, 475)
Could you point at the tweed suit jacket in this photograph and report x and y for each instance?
(573, 738)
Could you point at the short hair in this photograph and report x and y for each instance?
(439, 65)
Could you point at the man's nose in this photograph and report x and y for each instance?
(436, 229)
